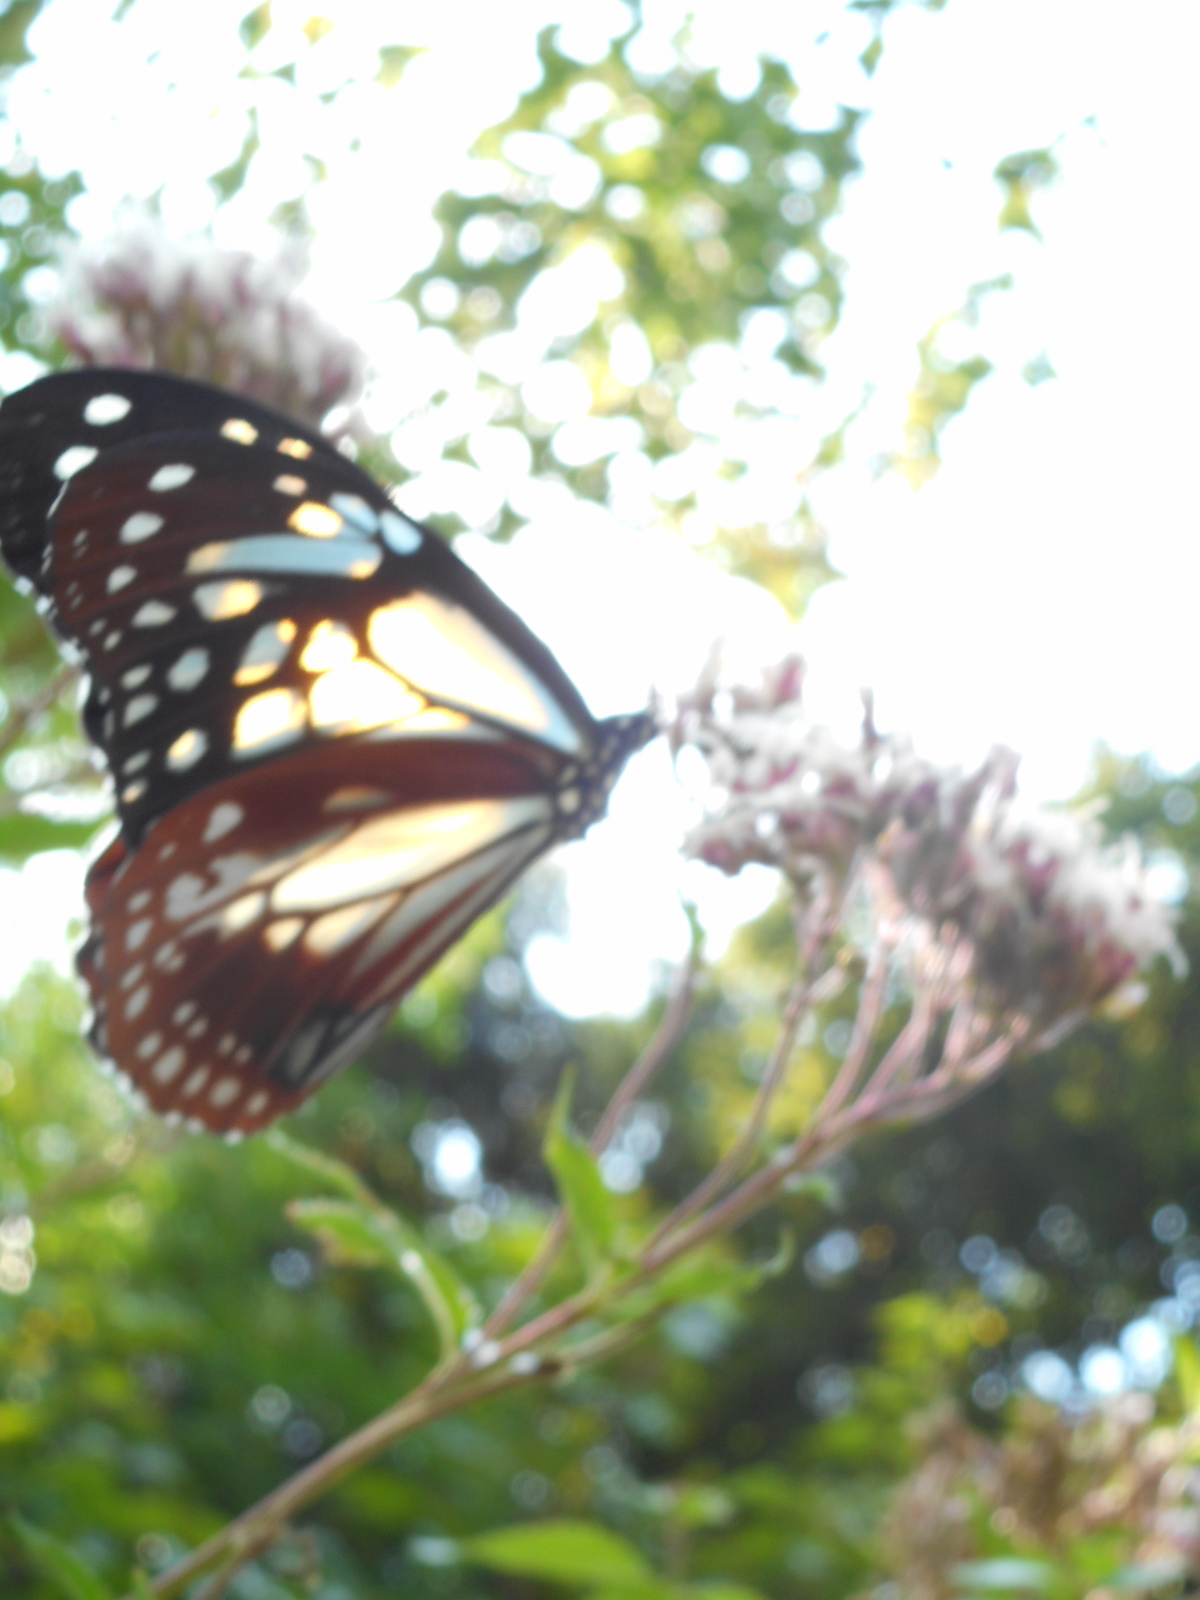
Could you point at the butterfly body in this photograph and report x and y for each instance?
(332, 746)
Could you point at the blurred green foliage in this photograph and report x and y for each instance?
(184, 1324)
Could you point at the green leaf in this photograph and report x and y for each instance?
(1187, 1372)
(335, 1172)
(1004, 1573)
(587, 1202)
(713, 1273)
(361, 1231)
(23, 835)
(564, 1552)
(139, 1585)
(58, 1563)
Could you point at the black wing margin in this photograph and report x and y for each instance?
(90, 410)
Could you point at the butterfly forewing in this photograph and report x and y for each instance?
(233, 604)
(332, 746)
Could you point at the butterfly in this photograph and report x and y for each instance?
(332, 746)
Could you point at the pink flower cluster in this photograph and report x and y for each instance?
(141, 299)
(1054, 920)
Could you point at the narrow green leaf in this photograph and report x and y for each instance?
(354, 1235)
(587, 1202)
(58, 1563)
(1187, 1372)
(704, 1275)
(346, 1232)
(361, 1231)
(22, 836)
(1004, 1573)
(564, 1551)
(335, 1172)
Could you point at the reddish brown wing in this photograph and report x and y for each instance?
(261, 934)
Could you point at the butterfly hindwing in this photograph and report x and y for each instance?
(252, 936)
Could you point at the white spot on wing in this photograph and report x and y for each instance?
(257, 1102)
(265, 721)
(225, 1091)
(141, 525)
(290, 553)
(135, 934)
(120, 577)
(135, 677)
(74, 460)
(189, 669)
(103, 409)
(137, 1002)
(169, 957)
(222, 819)
(196, 1082)
(241, 913)
(355, 510)
(187, 749)
(189, 895)
(399, 534)
(360, 695)
(220, 601)
(330, 644)
(283, 933)
(168, 1066)
(153, 614)
(173, 476)
(139, 707)
(266, 652)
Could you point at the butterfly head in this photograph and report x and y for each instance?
(583, 791)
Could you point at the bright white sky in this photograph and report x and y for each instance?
(1042, 591)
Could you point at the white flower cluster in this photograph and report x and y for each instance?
(1055, 919)
(141, 299)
